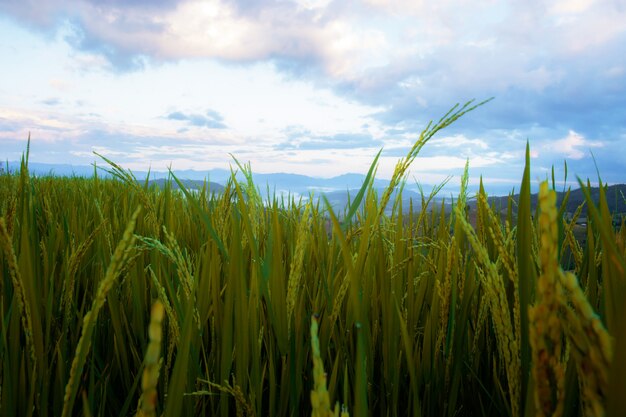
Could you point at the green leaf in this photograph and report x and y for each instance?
(356, 203)
(526, 270)
(178, 382)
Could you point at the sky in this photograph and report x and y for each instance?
(317, 87)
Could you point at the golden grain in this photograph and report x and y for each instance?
(152, 361)
(297, 263)
(120, 256)
(18, 287)
(592, 346)
(545, 327)
(495, 293)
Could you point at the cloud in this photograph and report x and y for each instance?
(211, 119)
(57, 137)
(570, 6)
(401, 58)
(553, 66)
(302, 139)
(573, 146)
(458, 141)
(431, 158)
(127, 33)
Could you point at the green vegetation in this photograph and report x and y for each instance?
(423, 315)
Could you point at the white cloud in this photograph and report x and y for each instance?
(458, 141)
(573, 146)
(581, 25)
(42, 126)
(570, 6)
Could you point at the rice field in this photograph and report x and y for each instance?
(118, 298)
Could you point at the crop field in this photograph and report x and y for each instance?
(118, 298)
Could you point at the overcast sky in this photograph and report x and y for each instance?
(316, 87)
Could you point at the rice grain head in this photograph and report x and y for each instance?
(495, 293)
(16, 278)
(591, 344)
(320, 400)
(152, 362)
(120, 256)
(545, 328)
(297, 263)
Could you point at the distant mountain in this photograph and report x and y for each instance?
(61, 170)
(336, 188)
(339, 199)
(302, 184)
(615, 195)
(276, 182)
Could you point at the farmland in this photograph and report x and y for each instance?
(121, 298)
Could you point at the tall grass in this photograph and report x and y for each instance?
(268, 310)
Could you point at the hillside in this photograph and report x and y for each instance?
(616, 198)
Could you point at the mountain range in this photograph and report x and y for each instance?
(278, 182)
(337, 189)
(615, 196)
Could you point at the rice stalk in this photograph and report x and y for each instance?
(591, 345)
(242, 406)
(255, 202)
(73, 263)
(338, 298)
(184, 268)
(18, 287)
(118, 260)
(506, 258)
(570, 240)
(575, 248)
(526, 257)
(173, 323)
(320, 400)
(444, 290)
(546, 332)
(402, 166)
(10, 215)
(450, 348)
(128, 178)
(495, 293)
(152, 364)
(297, 263)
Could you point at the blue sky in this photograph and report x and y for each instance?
(316, 87)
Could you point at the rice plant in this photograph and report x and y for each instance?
(278, 307)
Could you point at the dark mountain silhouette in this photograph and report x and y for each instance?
(615, 196)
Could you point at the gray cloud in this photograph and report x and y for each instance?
(211, 119)
(46, 15)
(129, 34)
(120, 57)
(118, 30)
